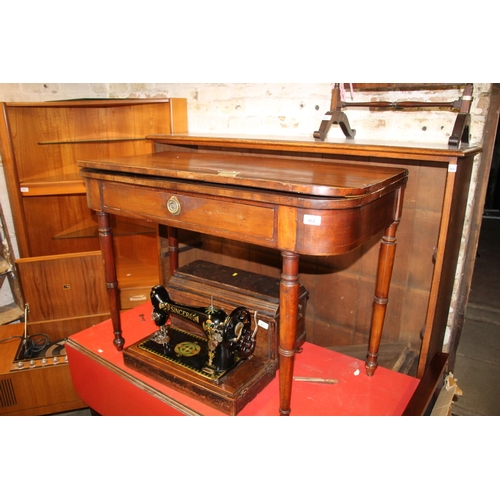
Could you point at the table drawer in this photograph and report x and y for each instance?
(202, 213)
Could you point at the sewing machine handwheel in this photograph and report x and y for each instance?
(247, 346)
(239, 318)
(240, 321)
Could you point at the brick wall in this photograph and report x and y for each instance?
(274, 108)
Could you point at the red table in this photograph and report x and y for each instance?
(109, 387)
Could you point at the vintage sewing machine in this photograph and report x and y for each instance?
(227, 340)
(213, 361)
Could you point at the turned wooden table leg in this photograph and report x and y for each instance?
(381, 298)
(173, 249)
(289, 306)
(106, 242)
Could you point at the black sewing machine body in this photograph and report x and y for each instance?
(218, 359)
(223, 340)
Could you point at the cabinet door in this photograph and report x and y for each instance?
(64, 286)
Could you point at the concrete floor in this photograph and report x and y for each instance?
(477, 366)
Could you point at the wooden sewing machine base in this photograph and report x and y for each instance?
(229, 394)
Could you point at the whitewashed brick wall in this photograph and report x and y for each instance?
(274, 108)
(283, 109)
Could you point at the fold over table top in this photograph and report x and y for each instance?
(300, 176)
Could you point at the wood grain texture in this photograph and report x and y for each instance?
(304, 145)
(40, 144)
(63, 286)
(306, 177)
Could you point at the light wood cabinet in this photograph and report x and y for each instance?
(60, 266)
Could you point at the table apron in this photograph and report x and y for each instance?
(297, 229)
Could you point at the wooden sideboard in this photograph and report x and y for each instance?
(341, 287)
(307, 200)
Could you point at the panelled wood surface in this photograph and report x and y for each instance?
(455, 204)
(63, 286)
(40, 144)
(42, 391)
(61, 264)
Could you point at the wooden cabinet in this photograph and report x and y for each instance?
(60, 266)
(341, 286)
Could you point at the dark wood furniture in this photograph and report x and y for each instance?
(203, 284)
(295, 206)
(221, 203)
(460, 134)
(200, 283)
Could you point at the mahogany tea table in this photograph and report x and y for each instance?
(297, 206)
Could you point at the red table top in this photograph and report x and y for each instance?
(110, 388)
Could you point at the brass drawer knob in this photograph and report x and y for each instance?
(174, 206)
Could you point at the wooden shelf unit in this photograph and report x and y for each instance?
(40, 145)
